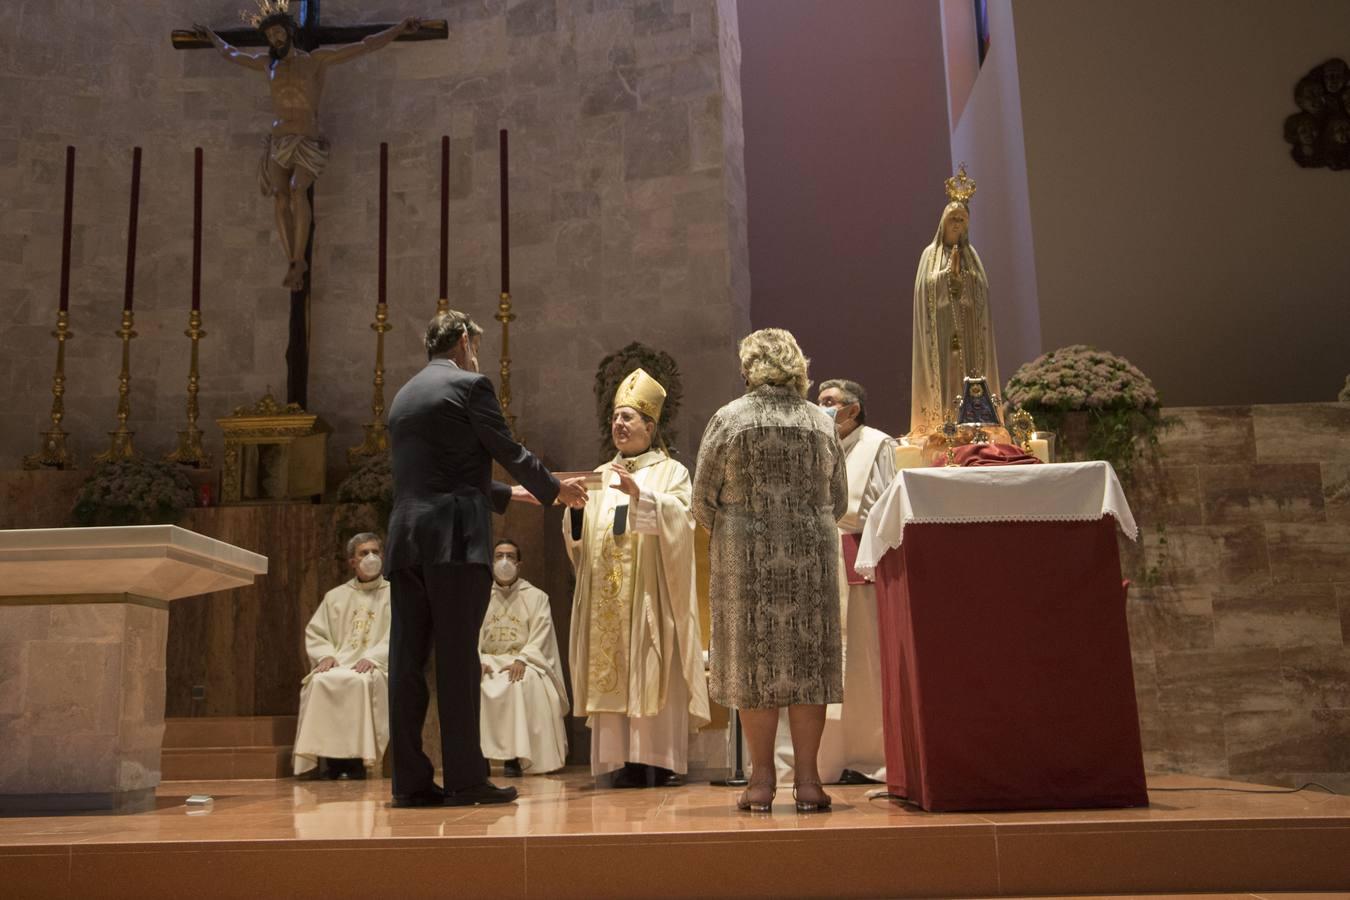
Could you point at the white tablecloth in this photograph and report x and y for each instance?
(1057, 492)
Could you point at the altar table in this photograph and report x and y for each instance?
(1007, 681)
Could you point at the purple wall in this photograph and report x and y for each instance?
(846, 149)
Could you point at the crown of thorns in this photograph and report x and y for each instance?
(269, 13)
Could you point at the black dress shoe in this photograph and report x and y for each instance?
(511, 769)
(484, 793)
(632, 775)
(432, 796)
(851, 776)
(667, 778)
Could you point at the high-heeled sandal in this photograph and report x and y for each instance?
(745, 804)
(811, 806)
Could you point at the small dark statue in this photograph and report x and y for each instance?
(1320, 132)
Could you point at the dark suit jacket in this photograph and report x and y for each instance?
(445, 429)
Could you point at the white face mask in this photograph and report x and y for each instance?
(370, 565)
(505, 570)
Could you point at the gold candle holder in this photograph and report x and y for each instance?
(54, 454)
(119, 444)
(442, 306)
(377, 435)
(190, 451)
(506, 317)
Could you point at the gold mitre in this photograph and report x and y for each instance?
(960, 187)
(643, 393)
(266, 9)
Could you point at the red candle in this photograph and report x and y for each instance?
(384, 214)
(131, 228)
(506, 223)
(65, 232)
(197, 229)
(445, 217)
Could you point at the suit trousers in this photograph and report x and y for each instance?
(442, 606)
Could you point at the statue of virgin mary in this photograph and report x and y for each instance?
(953, 334)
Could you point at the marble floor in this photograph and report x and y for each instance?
(565, 837)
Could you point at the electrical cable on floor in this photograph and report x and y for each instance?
(1302, 787)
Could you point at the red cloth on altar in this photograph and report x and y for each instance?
(1007, 680)
(988, 455)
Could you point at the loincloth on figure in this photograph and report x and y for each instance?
(290, 151)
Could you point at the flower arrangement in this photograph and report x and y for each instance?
(1344, 395)
(133, 492)
(1120, 402)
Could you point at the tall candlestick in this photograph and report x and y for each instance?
(66, 230)
(384, 218)
(506, 221)
(443, 303)
(197, 230)
(131, 227)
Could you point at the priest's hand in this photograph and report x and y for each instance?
(325, 664)
(520, 495)
(363, 666)
(626, 482)
(515, 671)
(487, 670)
(572, 492)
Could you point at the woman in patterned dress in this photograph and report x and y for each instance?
(769, 486)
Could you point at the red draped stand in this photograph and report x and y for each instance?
(1007, 681)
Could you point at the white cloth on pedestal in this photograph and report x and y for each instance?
(522, 720)
(344, 714)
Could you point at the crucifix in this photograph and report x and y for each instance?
(299, 51)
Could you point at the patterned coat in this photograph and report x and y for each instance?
(770, 485)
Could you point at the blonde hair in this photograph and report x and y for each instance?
(771, 356)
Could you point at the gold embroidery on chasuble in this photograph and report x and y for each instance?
(505, 633)
(362, 621)
(611, 616)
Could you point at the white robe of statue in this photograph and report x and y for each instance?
(636, 650)
(344, 714)
(953, 331)
(522, 720)
(853, 738)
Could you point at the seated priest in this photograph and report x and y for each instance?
(524, 701)
(344, 700)
(636, 652)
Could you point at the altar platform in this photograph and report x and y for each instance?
(566, 838)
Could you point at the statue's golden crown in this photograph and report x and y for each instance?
(266, 9)
(960, 187)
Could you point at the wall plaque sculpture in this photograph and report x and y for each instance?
(1319, 133)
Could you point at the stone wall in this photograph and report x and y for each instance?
(1242, 646)
(627, 186)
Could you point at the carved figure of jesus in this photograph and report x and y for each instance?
(295, 152)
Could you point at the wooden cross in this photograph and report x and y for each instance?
(310, 34)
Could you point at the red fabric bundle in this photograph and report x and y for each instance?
(989, 455)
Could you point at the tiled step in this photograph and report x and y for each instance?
(223, 763)
(229, 731)
(227, 747)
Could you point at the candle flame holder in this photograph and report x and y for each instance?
(54, 454)
(377, 434)
(506, 317)
(119, 444)
(190, 451)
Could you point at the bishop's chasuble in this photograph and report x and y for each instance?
(522, 720)
(636, 652)
(345, 714)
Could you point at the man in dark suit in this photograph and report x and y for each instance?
(445, 429)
